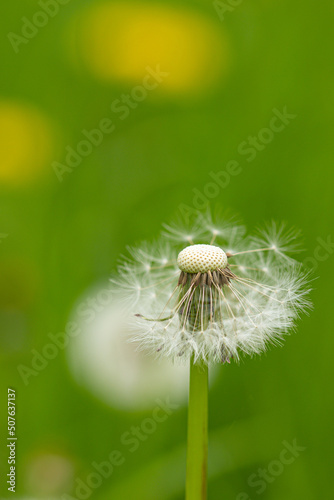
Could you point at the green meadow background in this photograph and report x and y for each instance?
(232, 67)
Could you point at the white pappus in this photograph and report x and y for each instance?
(212, 292)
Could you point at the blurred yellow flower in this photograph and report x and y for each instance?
(117, 41)
(25, 142)
(48, 473)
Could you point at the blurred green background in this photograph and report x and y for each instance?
(62, 228)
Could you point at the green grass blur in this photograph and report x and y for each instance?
(59, 238)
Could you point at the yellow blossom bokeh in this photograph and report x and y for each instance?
(26, 143)
(117, 41)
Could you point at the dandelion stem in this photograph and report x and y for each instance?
(197, 450)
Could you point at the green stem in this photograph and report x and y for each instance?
(197, 450)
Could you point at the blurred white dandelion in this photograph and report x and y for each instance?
(101, 359)
(212, 292)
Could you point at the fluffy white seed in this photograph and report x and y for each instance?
(201, 258)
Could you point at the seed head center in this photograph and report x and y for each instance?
(201, 259)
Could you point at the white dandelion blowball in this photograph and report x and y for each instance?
(212, 292)
(101, 360)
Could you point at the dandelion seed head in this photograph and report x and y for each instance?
(212, 304)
